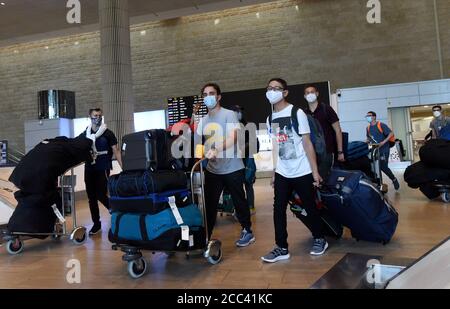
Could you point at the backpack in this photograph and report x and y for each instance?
(317, 135)
(391, 140)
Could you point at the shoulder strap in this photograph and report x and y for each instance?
(379, 127)
(294, 119)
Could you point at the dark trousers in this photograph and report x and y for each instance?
(97, 190)
(385, 168)
(250, 194)
(303, 186)
(234, 183)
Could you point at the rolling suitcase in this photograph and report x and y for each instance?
(332, 228)
(358, 204)
(151, 203)
(148, 150)
(138, 183)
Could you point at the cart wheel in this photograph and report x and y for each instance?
(215, 259)
(56, 237)
(14, 246)
(445, 197)
(137, 268)
(79, 239)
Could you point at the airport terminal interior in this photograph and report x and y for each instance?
(94, 94)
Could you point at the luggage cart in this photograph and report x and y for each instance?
(67, 182)
(374, 156)
(444, 190)
(212, 249)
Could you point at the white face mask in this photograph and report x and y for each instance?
(311, 98)
(239, 116)
(437, 114)
(274, 97)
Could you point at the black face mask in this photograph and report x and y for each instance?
(96, 121)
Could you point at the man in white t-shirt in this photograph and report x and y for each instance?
(296, 170)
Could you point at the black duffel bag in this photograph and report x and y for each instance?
(436, 153)
(419, 174)
(140, 183)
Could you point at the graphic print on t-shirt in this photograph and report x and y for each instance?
(285, 138)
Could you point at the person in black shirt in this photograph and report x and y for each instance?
(331, 127)
(97, 172)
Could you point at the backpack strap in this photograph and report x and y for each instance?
(379, 127)
(294, 120)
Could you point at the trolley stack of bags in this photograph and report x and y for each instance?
(150, 200)
(434, 168)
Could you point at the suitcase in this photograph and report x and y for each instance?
(145, 227)
(148, 150)
(358, 204)
(357, 150)
(332, 228)
(151, 203)
(138, 183)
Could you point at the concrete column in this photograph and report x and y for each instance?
(117, 83)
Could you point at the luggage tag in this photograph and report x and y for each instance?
(58, 214)
(176, 213)
(191, 240)
(185, 233)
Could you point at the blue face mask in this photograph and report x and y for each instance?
(369, 119)
(210, 101)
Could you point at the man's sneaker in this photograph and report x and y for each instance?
(246, 239)
(277, 254)
(97, 228)
(396, 184)
(319, 247)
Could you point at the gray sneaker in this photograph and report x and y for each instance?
(319, 247)
(246, 239)
(277, 254)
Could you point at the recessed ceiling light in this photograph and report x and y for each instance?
(2, 3)
(426, 106)
(46, 47)
(217, 21)
(297, 8)
(16, 51)
(77, 43)
(258, 15)
(143, 32)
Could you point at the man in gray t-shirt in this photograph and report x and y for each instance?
(439, 122)
(225, 169)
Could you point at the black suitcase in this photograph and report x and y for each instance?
(137, 183)
(430, 191)
(150, 204)
(147, 150)
(332, 228)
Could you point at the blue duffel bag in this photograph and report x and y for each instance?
(353, 200)
(145, 227)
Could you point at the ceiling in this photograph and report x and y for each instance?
(27, 18)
